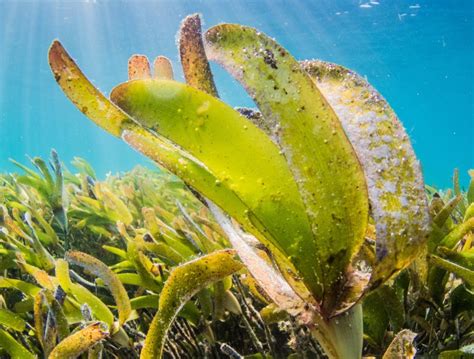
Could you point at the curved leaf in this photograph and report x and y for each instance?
(77, 343)
(240, 156)
(83, 295)
(466, 351)
(442, 216)
(24, 287)
(145, 301)
(464, 258)
(394, 180)
(322, 161)
(99, 269)
(198, 75)
(142, 266)
(105, 114)
(83, 94)
(457, 233)
(460, 271)
(184, 282)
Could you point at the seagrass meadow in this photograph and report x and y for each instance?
(298, 228)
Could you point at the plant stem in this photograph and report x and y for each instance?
(341, 337)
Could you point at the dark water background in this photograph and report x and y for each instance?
(419, 54)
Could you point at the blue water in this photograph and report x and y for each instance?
(419, 54)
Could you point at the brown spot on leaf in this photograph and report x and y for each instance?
(269, 58)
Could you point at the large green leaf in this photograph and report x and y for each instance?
(184, 282)
(394, 181)
(241, 157)
(323, 163)
(197, 73)
(100, 110)
(105, 114)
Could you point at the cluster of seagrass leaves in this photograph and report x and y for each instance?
(304, 175)
(45, 301)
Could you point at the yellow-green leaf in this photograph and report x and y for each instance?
(245, 162)
(82, 340)
(105, 114)
(13, 348)
(458, 270)
(394, 180)
(24, 287)
(11, 320)
(184, 282)
(113, 283)
(320, 157)
(457, 233)
(83, 295)
(82, 94)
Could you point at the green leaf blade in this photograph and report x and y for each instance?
(184, 282)
(12, 320)
(393, 173)
(322, 161)
(82, 294)
(82, 93)
(245, 163)
(13, 348)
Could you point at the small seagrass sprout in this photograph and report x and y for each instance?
(318, 190)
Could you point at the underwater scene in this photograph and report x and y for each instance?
(236, 179)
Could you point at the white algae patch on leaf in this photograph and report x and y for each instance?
(393, 173)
